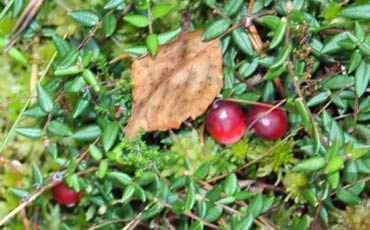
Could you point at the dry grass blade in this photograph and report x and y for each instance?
(178, 83)
(23, 21)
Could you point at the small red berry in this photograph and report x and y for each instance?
(65, 195)
(225, 122)
(268, 126)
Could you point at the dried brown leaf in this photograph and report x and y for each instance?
(180, 82)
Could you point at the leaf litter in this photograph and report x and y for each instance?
(178, 83)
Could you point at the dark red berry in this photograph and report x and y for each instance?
(65, 195)
(225, 122)
(267, 125)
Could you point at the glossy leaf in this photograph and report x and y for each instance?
(113, 4)
(310, 164)
(232, 6)
(338, 82)
(87, 133)
(109, 135)
(278, 34)
(137, 20)
(256, 205)
(242, 41)
(127, 193)
(356, 11)
(37, 174)
(213, 212)
(362, 79)
(215, 29)
(161, 10)
(30, 132)
(84, 17)
(95, 152)
(44, 99)
(348, 197)
(102, 169)
(303, 112)
(231, 184)
(202, 171)
(62, 45)
(152, 43)
(189, 197)
(121, 177)
(59, 128)
(245, 223)
(109, 24)
(151, 211)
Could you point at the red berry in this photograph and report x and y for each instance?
(225, 122)
(268, 126)
(65, 195)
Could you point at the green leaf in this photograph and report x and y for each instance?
(168, 35)
(362, 79)
(37, 175)
(202, 208)
(68, 60)
(203, 170)
(245, 223)
(248, 68)
(58, 128)
(84, 17)
(232, 6)
(278, 34)
(140, 193)
(87, 133)
(102, 169)
(150, 211)
(303, 223)
(231, 184)
(214, 194)
(20, 193)
(189, 197)
(282, 56)
(137, 20)
(95, 152)
(109, 136)
(310, 164)
(161, 10)
(152, 43)
(30, 132)
(215, 29)
(109, 24)
(303, 112)
(226, 200)
(82, 104)
(147, 178)
(121, 177)
(356, 11)
(44, 99)
(338, 82)
(35, 111)
(113, 4)
(127, 193)
(242, 41)
(332, 45)
(334, 164)
(348, 197)
(62, 45)
(243, 195)
(334, 180)
(90, 78)
(310, 196)
(256, 205)
(213, 212)
(351, 171)
(275, 72)
(318, 99)
(196, 225)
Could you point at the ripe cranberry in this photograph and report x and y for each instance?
(225, 122)
(65, 195)
(268, 126)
